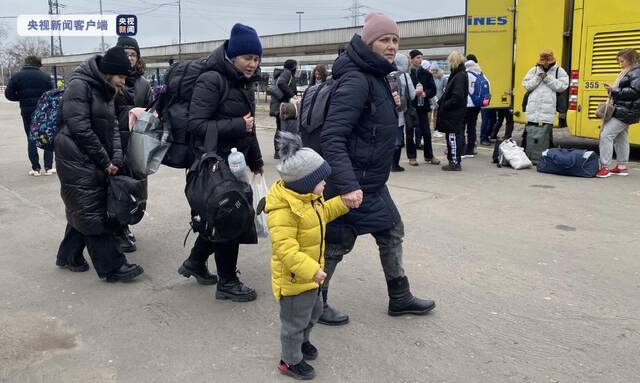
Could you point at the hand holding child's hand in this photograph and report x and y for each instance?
(320, 276)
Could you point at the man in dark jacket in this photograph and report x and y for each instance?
(223, 104)
(358, 141)
(27, 86)
(285, 81)
(424, 93)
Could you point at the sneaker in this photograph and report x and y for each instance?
(452, 167)
(618, 171)
(485, 143)
(300, 371)
(603, 173)
(35, 173)
(49, 172)
(438, 135)
(413, 162)
(309, 351)
(468, 155)
(397, 169)
(433, 161)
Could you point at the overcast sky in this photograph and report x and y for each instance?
(212, 19)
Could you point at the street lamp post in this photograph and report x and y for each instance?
(300, 13)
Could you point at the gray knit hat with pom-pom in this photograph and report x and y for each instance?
(300, 168)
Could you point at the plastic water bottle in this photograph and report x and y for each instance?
(238, 165)
(420, 98)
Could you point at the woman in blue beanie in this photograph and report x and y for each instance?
(230, 74)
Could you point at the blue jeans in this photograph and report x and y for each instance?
(32, 149)
(489, 117)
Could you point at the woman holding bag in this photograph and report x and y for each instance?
(231, 70)
(136, 92)
(88, 150)
(625, 94)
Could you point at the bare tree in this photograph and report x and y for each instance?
(12, 56)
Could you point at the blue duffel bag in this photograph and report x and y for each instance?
(569, 162)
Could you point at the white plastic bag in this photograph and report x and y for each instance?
(515, 155)
(259, 187)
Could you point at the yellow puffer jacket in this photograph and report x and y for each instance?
(297, 225)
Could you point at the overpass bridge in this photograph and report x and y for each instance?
(436, 37)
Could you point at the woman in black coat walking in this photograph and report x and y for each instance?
(223, 103)
(136, 93)
(358, 141)
(285, 81)
(88, 150)
(452, 110)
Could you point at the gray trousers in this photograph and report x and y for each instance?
(389, 245)
(298, 314)
(614, 136)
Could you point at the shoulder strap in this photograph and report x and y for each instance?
(223, 85)
(406, 85)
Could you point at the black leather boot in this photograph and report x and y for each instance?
(125, 273)
(77, 267)
(126, 244)
(127, 232)
(395, 167)
(199, 272)
(232, 288)
(331, 316)
(402, 302)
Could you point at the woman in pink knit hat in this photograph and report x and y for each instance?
(358, 141)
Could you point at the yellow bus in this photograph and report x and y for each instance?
(585, 36)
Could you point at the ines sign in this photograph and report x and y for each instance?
(487, 20)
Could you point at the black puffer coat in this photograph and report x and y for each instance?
(136, 93)
(208, 113)
(452, 107)
(358, 137)
(286, 82)
(87, 143)
(626, 97)
(27, 86)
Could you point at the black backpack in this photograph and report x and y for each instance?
(126, 200)
(314, 107)
(174, 106)
(221, 205)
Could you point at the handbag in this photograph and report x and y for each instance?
(148, 144)
(411, 114)
(605, 110)
(259, 187)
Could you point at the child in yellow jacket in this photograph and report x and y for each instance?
(297, 219)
